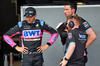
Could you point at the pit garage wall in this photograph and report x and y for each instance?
(54, 15)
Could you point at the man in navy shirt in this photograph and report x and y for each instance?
(75, 43)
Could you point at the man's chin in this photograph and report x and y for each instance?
(29, 22)
(66, 15)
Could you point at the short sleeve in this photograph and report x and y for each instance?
(84, 26)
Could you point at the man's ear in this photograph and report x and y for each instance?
(35, 16)
(73, 10)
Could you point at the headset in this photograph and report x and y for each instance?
(71, 24)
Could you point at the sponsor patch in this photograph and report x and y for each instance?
(26, 27)
(82, 36)
(42, 22)
(31, 33)
(31, 39)
(8, 41)
(54, 38)
(69, 35)
(37, 25)
(86, 24)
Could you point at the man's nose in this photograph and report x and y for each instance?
(28, 18)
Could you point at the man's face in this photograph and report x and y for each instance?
(68, 11)
(31, 19)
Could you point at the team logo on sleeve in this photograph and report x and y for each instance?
(54, 38)
(31, 33)
(86, 24)
(42, 22)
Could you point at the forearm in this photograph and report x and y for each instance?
(9, 34)
(68, 54)
(70, 51)
(46, 46)
(90, 40)
(52, 39)
(92, 37)
(9, 40)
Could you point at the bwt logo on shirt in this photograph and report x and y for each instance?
(82, 36)
(31, 33)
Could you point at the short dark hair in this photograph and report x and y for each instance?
(72, 4)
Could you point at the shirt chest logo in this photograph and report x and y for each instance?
(31, 33)
(26, 27)
(37, 25)
(82, 36)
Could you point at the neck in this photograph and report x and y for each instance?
(75, 27)
(74, 14)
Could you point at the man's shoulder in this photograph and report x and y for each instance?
(41, 22)
(83, 20)
(74, 30)
(71, 32)
(20, 23)
(24, 21)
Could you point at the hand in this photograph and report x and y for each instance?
(63, 62)
(22, 49)
(42, 48)
(66, 30)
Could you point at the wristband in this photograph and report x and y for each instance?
(48, 44)
(14, 46)
(66, 59)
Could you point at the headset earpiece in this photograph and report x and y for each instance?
(71, 24)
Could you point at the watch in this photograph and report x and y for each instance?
(66, 59)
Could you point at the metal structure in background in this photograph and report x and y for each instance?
(5, 60)
(11, 59)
